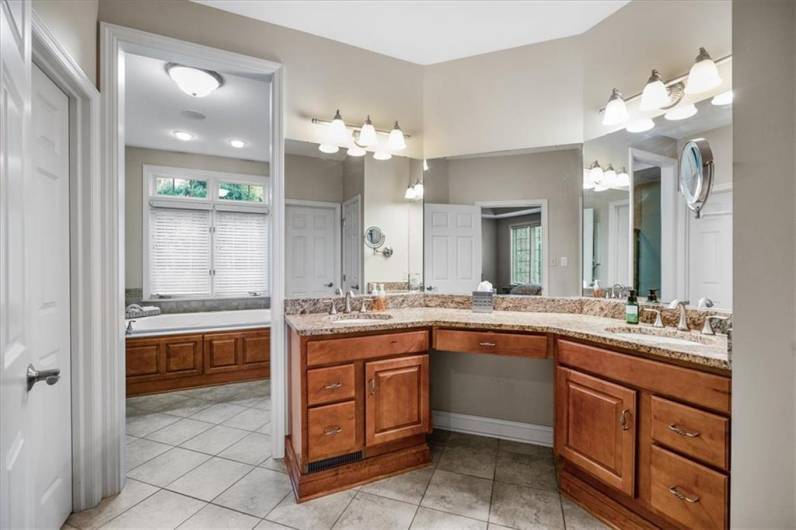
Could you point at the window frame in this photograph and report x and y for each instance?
(531, 252)
(211, 203)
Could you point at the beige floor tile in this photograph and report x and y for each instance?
(427, 519)
(316, 514)
(275, 464)
(218, 412)
(158, 402)
(521, 448)
(254, 449)
(209, 479)
(367, 512)
(133, 493)
(472, 440)
(190, 407)
(270, 525)
(257, 493)
(140, 450)
(458, 494)
(164, 509)
(140, 426)
(180, 431)
(407, 487)
(525, 508)
(215, 440)
(168, 467)
(439, 436)
(436, 454)
(576, 518)
(470, 460)
(535, 471)
(265, 429)
(249, 419)
(260, 403)
(212, 516)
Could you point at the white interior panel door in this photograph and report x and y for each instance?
(352, 245)
(710, 252)
(313, 250)
(619, 237)
(452, 252)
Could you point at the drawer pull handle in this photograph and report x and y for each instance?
(333, 386)
(332, 430)
(624, 419)
(487, 344)
(372, 386)
(674, 490)
(683, 432)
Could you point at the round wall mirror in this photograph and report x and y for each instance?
(696, 173)
(374, 237)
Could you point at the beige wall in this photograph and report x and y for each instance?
(313, 179)
(321, 75)
(74, 25)
(763, 444)
(135, 158)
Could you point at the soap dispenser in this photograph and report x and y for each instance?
(631, 308)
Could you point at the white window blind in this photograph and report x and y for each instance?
(241, 253)
(179, 252)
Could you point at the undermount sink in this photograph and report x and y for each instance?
(664, 336)
(358, 318)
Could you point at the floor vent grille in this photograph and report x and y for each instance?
(322, 465)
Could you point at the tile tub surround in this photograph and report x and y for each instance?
(135, 296)
(569, 325)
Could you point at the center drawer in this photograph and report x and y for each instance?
(514, 344)
(331, 430)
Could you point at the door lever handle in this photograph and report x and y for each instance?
(34, 376)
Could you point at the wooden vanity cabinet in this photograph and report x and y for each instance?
(359, 409)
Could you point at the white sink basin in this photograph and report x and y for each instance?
(358, 318)
(663, 336)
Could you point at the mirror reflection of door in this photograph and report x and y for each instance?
(312, 248)
(352, 244)
(452, 248)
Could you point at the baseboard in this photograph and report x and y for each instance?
(493, 427)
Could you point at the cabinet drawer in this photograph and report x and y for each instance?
(694, 432)
(490, 342)
(330, 351)
(332, 430)
(691, 494)
(325, 385)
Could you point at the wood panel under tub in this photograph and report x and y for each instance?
(175, 362)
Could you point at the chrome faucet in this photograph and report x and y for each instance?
(333, 301)
(704, 303)
(658, 322)
(707, 329)
(129, 329)
(348, 296)
(682, 324)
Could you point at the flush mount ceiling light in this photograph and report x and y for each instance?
(725, 98)
(382, 155)
(396, 141)
(329, 149)
(194, 81)
(640, 125)
(356, 150)
(367, 134)
(704, 75)
(615, 110)
(182, 136)
(655, 94)
(680, 113)
(237, 143)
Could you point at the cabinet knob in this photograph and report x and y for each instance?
(675, 490)
(624, 419)
(683, 432)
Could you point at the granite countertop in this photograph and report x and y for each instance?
(711, 353)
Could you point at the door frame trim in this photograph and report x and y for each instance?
(115, 42)
(338, 239)
(89, 301)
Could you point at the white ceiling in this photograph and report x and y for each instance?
(154, 106)
(432, 31)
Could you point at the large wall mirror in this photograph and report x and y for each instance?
(637, 229)
(349, 222)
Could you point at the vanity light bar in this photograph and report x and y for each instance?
(319, 121)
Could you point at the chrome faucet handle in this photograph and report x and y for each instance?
(338, 292)
(704, 303)
(332, 307)
(707, 329)
(363, 308)
(129, 329)
(658, 322)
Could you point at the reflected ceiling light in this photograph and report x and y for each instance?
(640, 125)
(615, 110)
(588, 183)
(237, 143)
(595, 172)
(396, 141)
(725, 98)
(410, 193)
(182, 136)
(419, 189)
(367, 135)
(425, 165)
(655, 94)
(382, 155)
(704, 75)
(338, 132)
(600, 187)
(328, 148)
(680, 113)
(623, 179)
(609, 176)
(194, 81)
(356, 150)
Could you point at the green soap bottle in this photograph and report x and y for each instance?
(631, 308)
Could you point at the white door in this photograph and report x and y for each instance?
(452, 248)
(352, 245)
(619, 243)
(588, 247)
(312, 249)
(710, 252)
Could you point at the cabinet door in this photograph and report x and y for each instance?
(255, 348)
(397, 401)
(222, 352)
(596, 427)
(182, 355)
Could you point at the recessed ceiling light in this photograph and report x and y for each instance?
(194, 81)
(182, 135)
(237, 143)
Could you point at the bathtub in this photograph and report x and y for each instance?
(176, 323)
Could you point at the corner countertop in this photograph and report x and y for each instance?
(710, 353)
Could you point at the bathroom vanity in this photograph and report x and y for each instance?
(641, 428)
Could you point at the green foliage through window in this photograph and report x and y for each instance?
(177, 187)
(241, 192)
(526, 254)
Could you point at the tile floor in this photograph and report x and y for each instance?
(201, 459)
